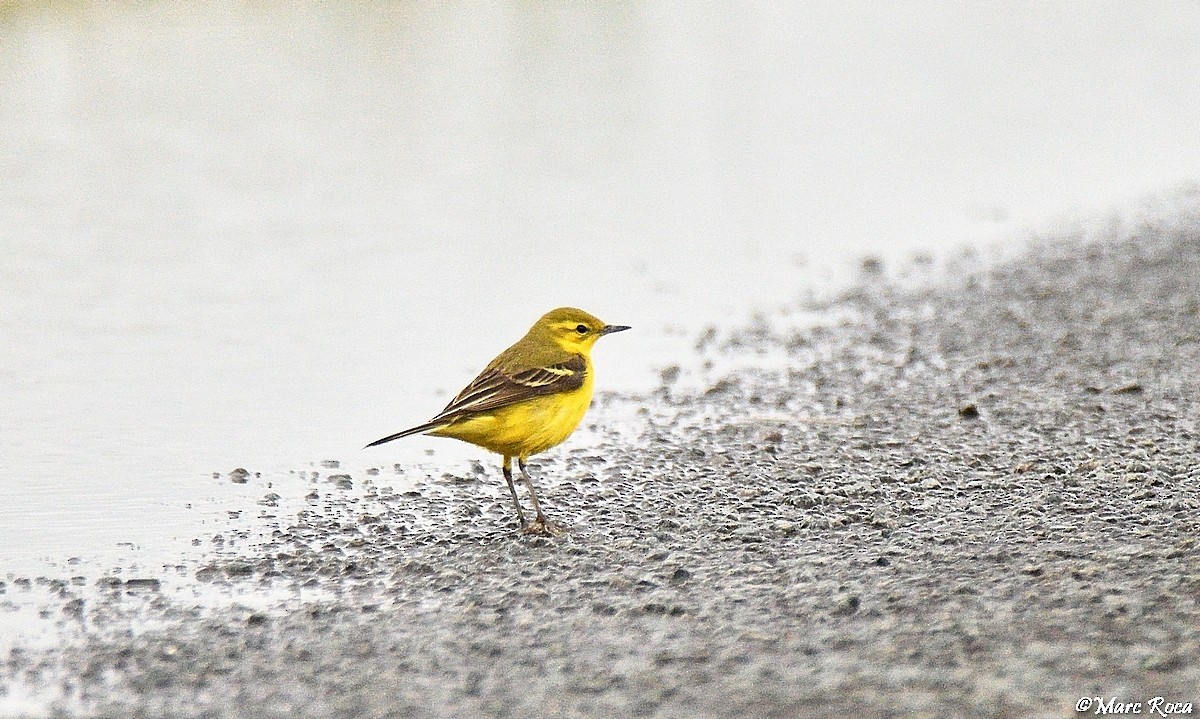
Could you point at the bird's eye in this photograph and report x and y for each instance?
(581, 329)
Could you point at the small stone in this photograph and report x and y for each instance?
(848, 607)
(680, 575)
(239, 569)
(239, 476)
(149, 584)
(669, 374)
(968, 411)
(871, 265)
(207, 574)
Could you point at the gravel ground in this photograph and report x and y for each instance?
(974, 498)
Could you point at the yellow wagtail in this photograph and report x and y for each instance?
(528, 399)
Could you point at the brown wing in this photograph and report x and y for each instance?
(496, 388)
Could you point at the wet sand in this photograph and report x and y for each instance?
(976, 497)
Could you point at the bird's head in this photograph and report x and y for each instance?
(574, 330)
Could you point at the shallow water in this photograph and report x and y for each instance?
(263, 235)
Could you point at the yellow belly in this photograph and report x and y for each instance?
(524, 428)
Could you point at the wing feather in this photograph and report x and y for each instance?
(495, 387)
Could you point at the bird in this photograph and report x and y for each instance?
(530, 398)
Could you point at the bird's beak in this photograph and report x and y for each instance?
(609, 329)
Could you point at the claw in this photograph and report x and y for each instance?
(544, 528)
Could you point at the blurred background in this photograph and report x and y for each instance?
(263, 234)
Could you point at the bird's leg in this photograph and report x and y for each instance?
(507, 467)
(540, 525)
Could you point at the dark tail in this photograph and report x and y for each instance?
(420, 428)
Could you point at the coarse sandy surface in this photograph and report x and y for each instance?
(976, 497)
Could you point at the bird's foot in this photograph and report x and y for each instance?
(542, 527)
